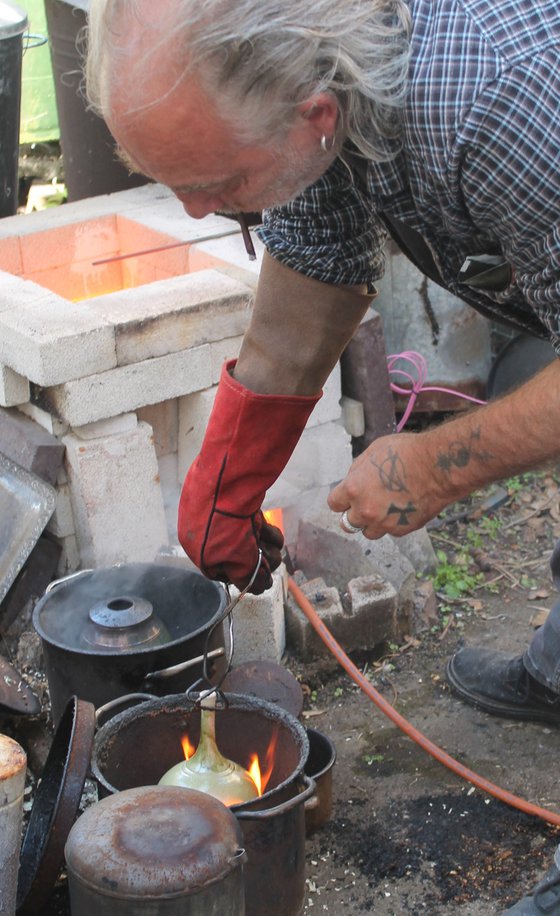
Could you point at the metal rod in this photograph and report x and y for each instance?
(157, 249)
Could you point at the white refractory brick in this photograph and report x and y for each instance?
(116, 498)
(175, 314)
(50, 340)
(61, 524)
(126, 388)
(14, 388)
(194, 410)
(113, 426)
(328, 408)
(259, 626)
(44, 419)
(321, 457)
(221, 352)
(164, 420)
(353, 417)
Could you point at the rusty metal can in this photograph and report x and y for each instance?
(157, 851)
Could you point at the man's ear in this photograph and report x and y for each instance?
(321, 111)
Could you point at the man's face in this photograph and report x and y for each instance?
(182, 142)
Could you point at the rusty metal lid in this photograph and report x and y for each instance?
(55, 806)
(269, 681)
(156, 841)
(16, 696)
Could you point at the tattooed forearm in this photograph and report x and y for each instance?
(459, 454)
(392, 472)
(403, 512)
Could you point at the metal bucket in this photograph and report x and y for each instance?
(136, 747)
(127, 659)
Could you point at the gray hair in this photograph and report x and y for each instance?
(259, 61)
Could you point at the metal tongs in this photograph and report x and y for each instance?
(200, 690)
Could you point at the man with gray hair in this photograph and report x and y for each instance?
(433, 120)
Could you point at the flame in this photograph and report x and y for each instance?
(259, 772)
(275, 517)
(188, 748)
(254, 772)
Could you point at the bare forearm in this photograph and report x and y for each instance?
(402, 481)
(511, 435)
(299, 328)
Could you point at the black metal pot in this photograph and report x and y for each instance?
(137, 746)
(135, 627)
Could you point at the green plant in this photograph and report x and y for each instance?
(454, 579)
(491, 526)
(372, 758)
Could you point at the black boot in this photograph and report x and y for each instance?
(544, 899)
(501, 685)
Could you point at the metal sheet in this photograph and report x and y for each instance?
(16, 696)
(26, 505)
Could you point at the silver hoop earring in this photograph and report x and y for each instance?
(327, 145)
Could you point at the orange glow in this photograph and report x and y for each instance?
(254, 772)
(275, 517)
(188, 748)
(264, 768)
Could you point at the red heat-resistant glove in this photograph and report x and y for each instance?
(248, 442)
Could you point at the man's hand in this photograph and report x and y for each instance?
(402, 481)
(390, 488)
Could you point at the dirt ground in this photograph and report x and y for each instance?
(406, 835)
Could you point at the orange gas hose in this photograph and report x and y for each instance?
(436, 752)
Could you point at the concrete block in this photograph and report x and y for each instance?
(14, 388)
(321, 457)
(364, 617)
(220, 352)
(164, 420)
(174, 314)
(424, 612)
(116, 497)
(418, 548)
(30, 446)
(113, 426)
(324, 550)
(127, 388)
(51, 340)
(194, 411)
(301, 637)
(61, 524)
(259, 626)
(365, 377)
(373, 617)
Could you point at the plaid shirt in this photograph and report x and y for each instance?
(478, 168)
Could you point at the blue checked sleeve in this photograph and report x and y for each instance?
(330, 232)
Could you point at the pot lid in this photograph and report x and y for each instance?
(16, 696)
(55, 806)
(181, 602)
(164, 841)
(267, 681)
(13, 20)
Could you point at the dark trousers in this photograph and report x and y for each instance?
(542, 657)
